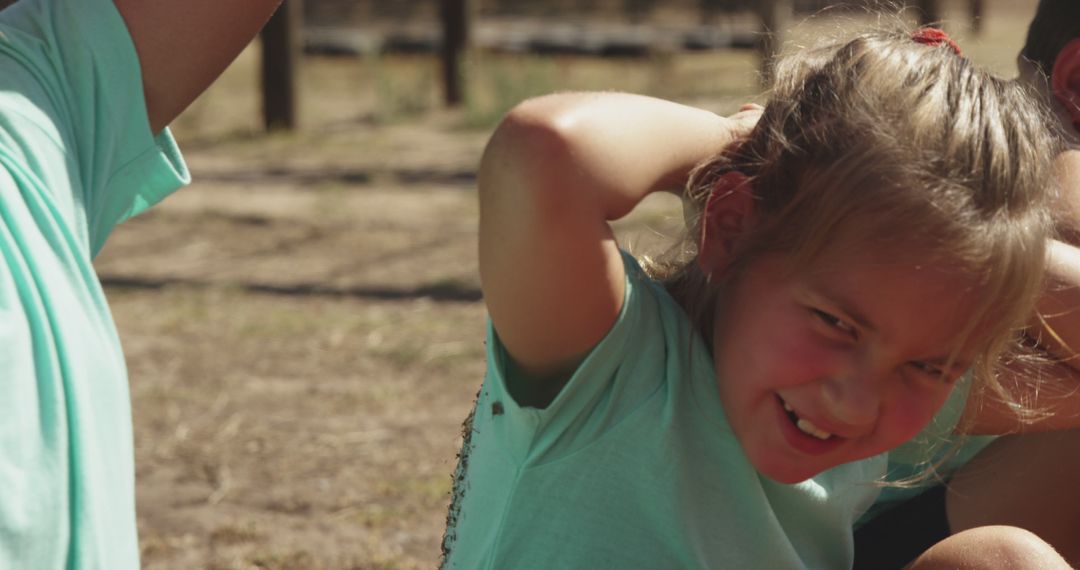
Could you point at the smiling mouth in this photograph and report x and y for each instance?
(805, 425)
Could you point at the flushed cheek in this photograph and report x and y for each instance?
(911, 414)
(799, 359)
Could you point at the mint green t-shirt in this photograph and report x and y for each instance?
(633, 465)
(76, 157)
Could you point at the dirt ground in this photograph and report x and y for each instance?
(303, 324)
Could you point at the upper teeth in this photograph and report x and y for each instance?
(807, 426)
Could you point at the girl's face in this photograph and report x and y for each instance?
(827, 366)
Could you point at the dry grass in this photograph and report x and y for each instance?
(303, 325)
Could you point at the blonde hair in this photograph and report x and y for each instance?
(879, 141)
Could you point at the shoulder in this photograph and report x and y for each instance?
(643, 354)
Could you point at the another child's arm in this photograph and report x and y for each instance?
(184, 46)
(1052, 389)
(1056, 394)
(1059, 329)
(556, 170)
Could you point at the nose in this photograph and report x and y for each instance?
(852, 400)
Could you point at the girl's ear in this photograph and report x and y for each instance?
(728, 215)
(1065, 80)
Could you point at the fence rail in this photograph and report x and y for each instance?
(602, 27)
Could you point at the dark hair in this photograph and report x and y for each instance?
(1056, 23)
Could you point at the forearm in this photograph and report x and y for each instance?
(1057, 330)
(184, 46)
(609, 150)
(1057, 326)
(1049, 396)
(1067, 174)
(1048, 390)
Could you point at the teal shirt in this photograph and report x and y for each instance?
(633, 465)
(76, 158)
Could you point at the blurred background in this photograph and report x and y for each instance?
(304, 325)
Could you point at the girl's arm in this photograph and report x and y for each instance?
(555, 171)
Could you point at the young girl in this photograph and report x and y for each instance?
(880, 231)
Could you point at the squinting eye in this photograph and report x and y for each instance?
(835, 322)
(928, 369)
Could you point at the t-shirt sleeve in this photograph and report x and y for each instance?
(619, 374)
(71, 90)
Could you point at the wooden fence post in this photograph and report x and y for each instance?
(929, 12)
(280, 53)
(978, 9)
(455, 24)
(775, 16)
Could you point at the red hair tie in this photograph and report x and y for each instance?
(935, 37)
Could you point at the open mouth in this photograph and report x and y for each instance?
(805, 425)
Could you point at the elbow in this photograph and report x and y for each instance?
(537, 132)
(548, 114)
(530, 158)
